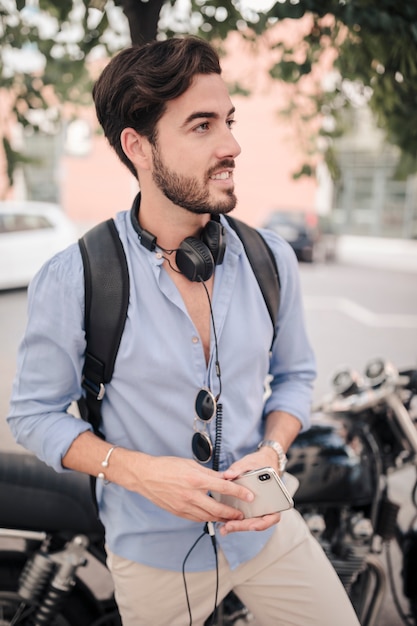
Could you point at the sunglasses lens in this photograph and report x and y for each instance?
(202, 447)
(205, 405)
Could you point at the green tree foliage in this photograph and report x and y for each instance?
(374, 44)
(376, 60)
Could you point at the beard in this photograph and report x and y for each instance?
(188, 192)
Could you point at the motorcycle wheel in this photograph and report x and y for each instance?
(78, 609)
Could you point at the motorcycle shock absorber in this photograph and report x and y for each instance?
(50, 577)
(35, 576)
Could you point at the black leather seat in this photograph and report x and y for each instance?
(35, 497)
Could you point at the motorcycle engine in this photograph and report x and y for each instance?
(346, 542)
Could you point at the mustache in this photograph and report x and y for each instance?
(225, 163)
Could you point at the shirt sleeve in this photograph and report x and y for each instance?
(293, 365)
(50, 360)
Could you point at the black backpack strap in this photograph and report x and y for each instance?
(106, 281)
(263, 264)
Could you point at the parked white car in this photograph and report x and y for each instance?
(30, 233)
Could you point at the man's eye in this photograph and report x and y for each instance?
(231, 123)
(202, 127)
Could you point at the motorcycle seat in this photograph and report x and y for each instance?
(35, 497)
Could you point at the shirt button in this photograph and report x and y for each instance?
(195, 339)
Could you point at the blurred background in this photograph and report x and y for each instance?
(325, 106)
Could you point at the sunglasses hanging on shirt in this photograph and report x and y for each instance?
(205, 409)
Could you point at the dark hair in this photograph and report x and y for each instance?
(135, 86)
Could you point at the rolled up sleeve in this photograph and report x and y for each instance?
(49, 361)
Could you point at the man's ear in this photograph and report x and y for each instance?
(137, 148)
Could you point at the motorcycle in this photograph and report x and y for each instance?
(361, 433)
(49, 532)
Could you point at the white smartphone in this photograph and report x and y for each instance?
(271, 495)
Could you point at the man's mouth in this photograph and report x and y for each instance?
(221, 176)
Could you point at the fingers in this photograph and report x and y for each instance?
(230, 488)
(205, 509)
(182, 486)
(252, 523)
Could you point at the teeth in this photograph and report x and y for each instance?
(221, 176)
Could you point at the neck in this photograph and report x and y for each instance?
(169, 223)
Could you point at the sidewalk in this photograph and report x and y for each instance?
(390, 254)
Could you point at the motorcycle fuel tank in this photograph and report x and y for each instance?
(333, 465)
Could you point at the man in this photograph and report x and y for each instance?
(190, 372)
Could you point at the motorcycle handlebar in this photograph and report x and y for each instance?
(357, 402)
(354, 393)
(376, 390)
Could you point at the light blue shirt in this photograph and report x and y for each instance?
(149, 404)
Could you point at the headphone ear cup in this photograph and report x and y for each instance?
(194, 260)
(213, 237)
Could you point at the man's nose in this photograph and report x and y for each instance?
(229, 147)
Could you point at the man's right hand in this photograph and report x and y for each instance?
(182, 487)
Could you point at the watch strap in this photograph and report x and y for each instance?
(282, 457)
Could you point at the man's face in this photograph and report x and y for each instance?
(193, 157)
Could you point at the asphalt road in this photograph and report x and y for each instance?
(353, 312)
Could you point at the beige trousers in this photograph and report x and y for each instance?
(290, 583)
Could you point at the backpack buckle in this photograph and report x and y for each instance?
(97, 390)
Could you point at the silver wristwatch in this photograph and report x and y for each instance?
(282, 457)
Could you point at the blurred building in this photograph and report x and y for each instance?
(368, 199)
(78, 170)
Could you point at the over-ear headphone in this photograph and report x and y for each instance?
(195, 258)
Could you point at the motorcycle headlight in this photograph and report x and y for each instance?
(346, 381)
(378, 371)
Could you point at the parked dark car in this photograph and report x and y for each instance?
(313, 237)
(299, 228)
